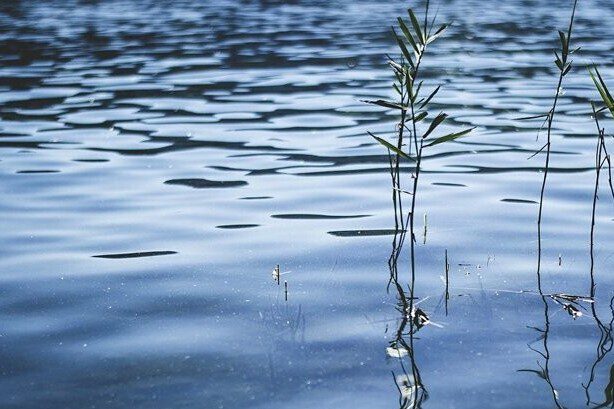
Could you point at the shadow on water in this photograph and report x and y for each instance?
(136, 254)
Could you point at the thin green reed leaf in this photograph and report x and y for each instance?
(416, 25)
(408, 36)
(399, 77)
(526, 118)
(558, 61)
(605, 88)
(391, 147)
(428, 99)
(396, 88)
(417, 91)
(567, 68)
(408, 81)
(449, 137)
(385, 104)
(426, 19)
(398, 68)
(564, 43)
(602, 89)
(436, 122)
(437, 33)
(420, 116)
(403, 48)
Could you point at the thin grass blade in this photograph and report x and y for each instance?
(449, 137)
(390, 146)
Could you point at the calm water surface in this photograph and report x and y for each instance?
(158, 159)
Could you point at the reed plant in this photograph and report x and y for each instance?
(602, 160)
(417, 128)
(563, 65)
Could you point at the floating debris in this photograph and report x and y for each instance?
(573, 311)
(394, 352)
(407, 385)
(420, 318)
(571, 298)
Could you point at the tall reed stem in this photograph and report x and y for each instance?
(564, 66)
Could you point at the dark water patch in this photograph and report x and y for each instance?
(91, 160)
(135, 255)
(256, 197)
(180, 143)
(448, 184)
(524, 201)
(362, 233)
(496, 170)
(206, 183)
(236, 226)
(33, 172)
(306, 216)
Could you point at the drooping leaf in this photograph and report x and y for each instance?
(526, 118)
(390, 146)
(385, 104)
(436, 122)
(541, 373)
(398, 68)
(437, 33)
(449, 137)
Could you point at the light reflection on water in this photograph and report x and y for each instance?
(158, 159)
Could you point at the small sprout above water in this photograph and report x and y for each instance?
(276, 274)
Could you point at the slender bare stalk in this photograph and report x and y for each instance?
(598, 166)
(564, 65)
(447, 269)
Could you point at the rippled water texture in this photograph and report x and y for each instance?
(159, 158)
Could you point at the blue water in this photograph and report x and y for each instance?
(158, 159)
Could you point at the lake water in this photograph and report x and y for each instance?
(158, 159)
